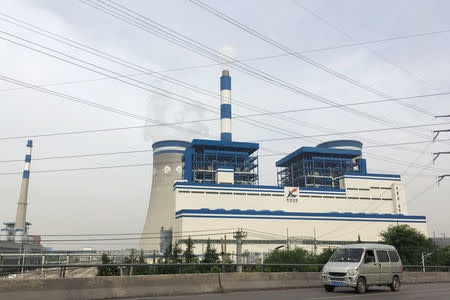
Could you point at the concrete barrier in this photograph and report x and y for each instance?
(258, 281)
(425, 277)
(109, 287)
(171, 285)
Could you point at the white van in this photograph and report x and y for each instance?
(363, 265)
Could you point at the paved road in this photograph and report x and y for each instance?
(409, 292)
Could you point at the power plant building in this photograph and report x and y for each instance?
(323, 193)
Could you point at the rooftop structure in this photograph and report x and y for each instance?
(321, 166)
(223, 162)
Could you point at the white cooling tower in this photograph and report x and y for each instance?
(167, 167)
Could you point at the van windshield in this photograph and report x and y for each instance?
(347, 255)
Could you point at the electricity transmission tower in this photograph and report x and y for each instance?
(437, 154)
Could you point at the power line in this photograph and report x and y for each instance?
(131, 238)
(352, 132)
(214, 109)
(174, 37)
(375, 53)
(47, 48)
(79, 155)
(134, 233)
(303, 58)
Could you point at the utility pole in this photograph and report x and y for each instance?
(425, 256)
(315, 242)
(239, 235)
(440, 177)
(288, 246)
(223, 244)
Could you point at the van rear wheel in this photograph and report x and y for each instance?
(328, 288)
(395, 285)
(361, 285)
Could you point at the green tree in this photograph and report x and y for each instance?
(176, 254)
(325, 255)
(130, 259)
(141, 270)
(210, 256)
(409, 243)
(107, 270)
(296, 256)
(189, 256)
(443, 256)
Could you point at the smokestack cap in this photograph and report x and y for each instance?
(225, 73)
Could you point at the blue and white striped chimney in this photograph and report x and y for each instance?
(21, 214)
(225, 106)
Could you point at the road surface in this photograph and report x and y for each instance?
(408, 292)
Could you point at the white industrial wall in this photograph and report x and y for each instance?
(358, 197)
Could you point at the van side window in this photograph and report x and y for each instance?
(382, 256)
(394, 256)
(369, 256)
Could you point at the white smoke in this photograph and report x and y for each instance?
(229, 52)
(164, 109)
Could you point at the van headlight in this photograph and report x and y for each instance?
(324, 271)
(352, 272)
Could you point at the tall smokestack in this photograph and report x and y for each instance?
(225, 106)
(22, 204)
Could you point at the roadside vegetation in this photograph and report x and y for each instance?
(409, 242)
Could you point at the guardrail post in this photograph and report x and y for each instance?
(42, 264)
(131, 271)
(295, 268)
(66, 270)
(180, 269)
(262, 268)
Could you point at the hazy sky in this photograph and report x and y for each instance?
(115, 200)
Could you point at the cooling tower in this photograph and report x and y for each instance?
(167, 167)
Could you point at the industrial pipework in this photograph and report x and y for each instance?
(21, 215)
(225, 106)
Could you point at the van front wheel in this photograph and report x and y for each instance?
(328, 288)
(361, 285)
(395, 285)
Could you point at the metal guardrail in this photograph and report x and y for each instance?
(127, 269)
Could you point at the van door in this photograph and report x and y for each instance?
(369, 268)
(384, 266)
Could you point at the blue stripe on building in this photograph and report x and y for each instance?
(297, 218)
(168, 151)
(294, 214)
(230, 190)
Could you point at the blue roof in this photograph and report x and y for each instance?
(226, 146)
(171, 143)
(344, 153)
(340, 143)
